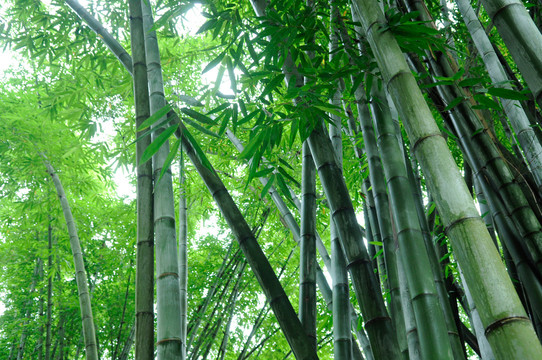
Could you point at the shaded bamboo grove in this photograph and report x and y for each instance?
(397, 144)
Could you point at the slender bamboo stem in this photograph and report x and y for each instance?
(144, 307)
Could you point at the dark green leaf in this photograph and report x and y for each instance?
(267, 186)
(157, 144)
(199, 127)
(288, 176)
(224, 124)
(273, 84)
(264, 172)
(231, 74)
(285, 163)
(197, 148)
(252, 146)
(282, 186)
(197, 116)
(208, 25)
(507, 94)
(454, 103)
(169, 159)
(485, 102)
(154, 117)
(214, 62)
(219, 108)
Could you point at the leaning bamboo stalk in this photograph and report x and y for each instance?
(378, 197)
(49, 310)
(522, 38)
(508, 329)
(91, 348)
(265, 275)
(482, 152)
(377, 320)
(260, 265)
(513, 108)
(294, 228)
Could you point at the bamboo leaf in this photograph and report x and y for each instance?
(208, 25)
(200, 128)
(454, 103)
(264, 172)
(231, 74)
(157, 144)
(214, 62)
(154, 117)
(219, 108)
(471, 82)
(198, 116)
(282, 186)
(156, 127)
(197, 148)
(189, 100)
(507, 94)
(289, 177)
(285, 163)
(169, 159)
(267, 186)
(273, 84)
(485, 102)
(251, 147)
(331, 110)
(224, 124)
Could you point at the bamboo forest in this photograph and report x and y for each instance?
(265, 179)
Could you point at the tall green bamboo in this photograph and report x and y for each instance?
(485, 348)
(49, 311)
(508, 329)
(377, 320)
(27, 309)
(522, 38)
(183, 255)
(267, 279)
(438, 278)
(89, 333)
(432, 330)
(321, 280)
(379, 198)
(342, 335)
(168, 309)
(481, 150)
(144, 307)
(530, 144)
(307, 237)
(307, 265)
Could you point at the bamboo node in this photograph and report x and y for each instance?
(169, 340)
(501, 322)
(163, 275)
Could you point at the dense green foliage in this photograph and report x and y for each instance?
(67, 96)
